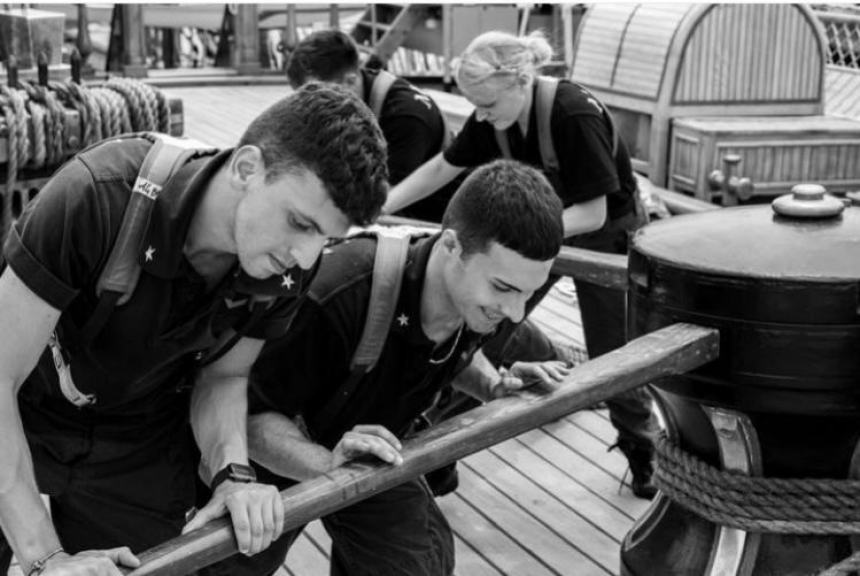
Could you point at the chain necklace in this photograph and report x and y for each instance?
(453, 347)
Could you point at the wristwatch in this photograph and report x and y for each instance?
(235, 473)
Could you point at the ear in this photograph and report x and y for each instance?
(245, 163)
(526, 78)
(450, 242)
(350, 79)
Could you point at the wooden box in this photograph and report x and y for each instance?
(25, 33)
(776, 152)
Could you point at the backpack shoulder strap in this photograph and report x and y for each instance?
(120, 274)
(544, 98)
(388, 266)
(379, 90)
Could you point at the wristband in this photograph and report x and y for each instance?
(234, 472)
(39, 565)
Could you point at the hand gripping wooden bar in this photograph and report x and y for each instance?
(671, 350)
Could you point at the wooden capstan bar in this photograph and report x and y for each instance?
(674, 350)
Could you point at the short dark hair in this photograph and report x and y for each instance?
(326, 129)
(510, 203)
(326, 55)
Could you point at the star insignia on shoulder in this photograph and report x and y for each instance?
(403, 320)
(594, 103)
(287, 281)
(424, 99)
(149, 254)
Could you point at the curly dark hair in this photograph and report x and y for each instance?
(325, 55)
(511, 203)
(326, 129)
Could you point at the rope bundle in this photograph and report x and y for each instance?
(117, 106)
(754, 504)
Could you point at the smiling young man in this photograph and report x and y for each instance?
(500, 234)
(102, 425)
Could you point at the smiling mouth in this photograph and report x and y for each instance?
(494, 318)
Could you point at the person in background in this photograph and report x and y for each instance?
(411, 122)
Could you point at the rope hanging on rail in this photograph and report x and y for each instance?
(38, 132)
(755, 504)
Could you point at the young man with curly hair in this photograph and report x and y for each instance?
(228, 253)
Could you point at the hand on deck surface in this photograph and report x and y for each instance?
(256, 510)
(524, 374)
(91, 563)
(367, 439)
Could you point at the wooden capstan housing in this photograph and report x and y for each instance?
(690, 85)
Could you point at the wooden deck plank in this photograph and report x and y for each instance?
(574, 529)
(468, 562)
(563, 488)
(533, 539)
(588, 473)
(498, 548)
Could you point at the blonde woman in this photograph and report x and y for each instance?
(498, 73)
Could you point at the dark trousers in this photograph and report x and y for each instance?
(603, 312)
(110, 484)
(399, 532)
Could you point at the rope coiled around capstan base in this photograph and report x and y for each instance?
(800, 506)
(755, 504)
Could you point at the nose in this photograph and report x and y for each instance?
(306, 252)
(515, 307)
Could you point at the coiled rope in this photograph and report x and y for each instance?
(117, 106)
(772, 505)
(755, 504)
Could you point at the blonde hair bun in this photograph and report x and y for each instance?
(497, 54)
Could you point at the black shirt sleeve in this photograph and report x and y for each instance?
(584, 150)
(474, 145)
(57, 244)
(412, 125)
(297, 372)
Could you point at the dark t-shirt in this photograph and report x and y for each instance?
(150, 345)
(414, 130)
(299, 373)
(583, 144)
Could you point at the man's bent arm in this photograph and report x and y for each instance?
(280, 445)
(219, 412)
(479, 379)
(27, 323)
(584, 217)
(219, 407)
(426, 180)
